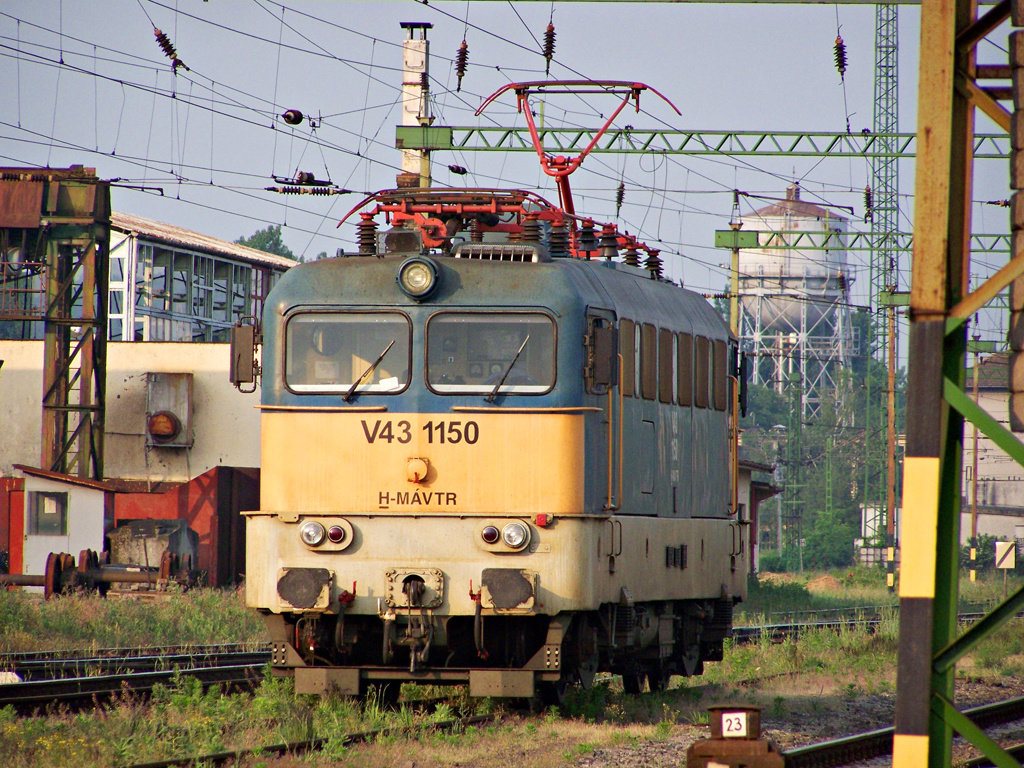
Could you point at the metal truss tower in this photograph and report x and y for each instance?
(884, 272)
(54, 236)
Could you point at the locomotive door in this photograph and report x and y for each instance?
(601, 370)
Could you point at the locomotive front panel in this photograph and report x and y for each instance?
(457, 463)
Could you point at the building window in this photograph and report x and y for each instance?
(48, 513)
(186, 296)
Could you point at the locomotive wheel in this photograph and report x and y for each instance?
(550, 694)
(658, 676)
(52, 577)
(633, 679)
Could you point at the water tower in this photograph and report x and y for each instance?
(794, 297)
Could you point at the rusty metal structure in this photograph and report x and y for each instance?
(953, 85)
(54, 235)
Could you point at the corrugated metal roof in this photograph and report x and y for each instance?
(186, 238)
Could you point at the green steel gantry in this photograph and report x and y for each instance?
(941, 303)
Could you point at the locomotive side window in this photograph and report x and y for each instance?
(719, 375)
(665, 365)
(627, 349)
(701, 371)
(471, 352)
(602, 355)
(684, 369)
(331, 352)
(649, 361)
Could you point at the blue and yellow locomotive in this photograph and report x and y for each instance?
(495, 451)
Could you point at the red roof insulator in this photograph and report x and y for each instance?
(558, 240)
(632, 255)
(609, 242)
(653, 263)
(549, 46)
(587, 241)
(461, 61)
(367, 235)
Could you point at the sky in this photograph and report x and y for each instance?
(87, 83)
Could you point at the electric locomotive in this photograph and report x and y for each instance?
(496, 451)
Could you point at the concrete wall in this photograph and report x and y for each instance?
(225, 426)
(1000, 478)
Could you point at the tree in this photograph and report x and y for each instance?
(269, 241)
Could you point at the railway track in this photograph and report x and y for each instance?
(49, 667)
(31, 696)
(866, 746)
(312, 745)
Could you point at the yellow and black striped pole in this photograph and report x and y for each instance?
(931, 477)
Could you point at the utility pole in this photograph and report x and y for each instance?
(890, 485)
(883, 275)
(416, 101)
(974, 469)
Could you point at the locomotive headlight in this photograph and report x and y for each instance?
(489, 534)
(312, 533)
(336, 534)
(514, 535)
(418, 277)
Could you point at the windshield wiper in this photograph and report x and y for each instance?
(494, 392)
(367, 372)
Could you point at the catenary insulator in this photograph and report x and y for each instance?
(458, 170)
(840, 51)
(653, 263)
(587, 241)
(558, 240)
(869, 208)
(307, 190)
(367, 235)
(549, 46)
(609, 242)
(620, 195)
(461, 61)
(531, 228)
(292, 117)
(168, 48)
(632, 255)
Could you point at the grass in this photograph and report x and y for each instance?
(793, 597)
(200, 616)
(821, 671)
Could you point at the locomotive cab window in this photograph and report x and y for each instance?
(331, 352)
(474, 352)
